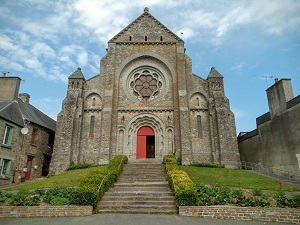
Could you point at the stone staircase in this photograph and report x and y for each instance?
(142, 188)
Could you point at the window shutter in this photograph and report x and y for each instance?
(11, 132)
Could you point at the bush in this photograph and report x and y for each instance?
(225, 196)
(25, 198)
(210, 165)
(214, 196)
(284, 201)
(95, 184)
(60, 201)
(170, 162)
(59, 192)
(180, 183)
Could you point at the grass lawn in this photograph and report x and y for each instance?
(233, 178)
(69, 178)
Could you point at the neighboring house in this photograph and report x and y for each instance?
(145, 103)
(30, 152)
(276, 141)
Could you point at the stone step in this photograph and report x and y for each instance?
(145, 166)
(142, 184)
(138, 198)
(140, 211)
(144, 161)
(141, 188)
(145, 180)
(138, 194)
(144, 170)
(137, 207)
(144, 202)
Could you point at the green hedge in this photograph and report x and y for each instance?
(89, 191)
(211, 165)
(180, 183)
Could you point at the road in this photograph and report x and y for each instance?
(128, 219)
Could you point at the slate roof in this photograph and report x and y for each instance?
(16, 111)
(214, 73)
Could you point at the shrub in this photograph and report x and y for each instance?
(25, 198)
(214, 196)
(257, 192)
(59, 192)
(180, 183)
(284, 201)
(170, 162)
(211, 165)
(225, 196)
(95, 184)
(60, 201)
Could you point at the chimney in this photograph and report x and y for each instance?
(9, 87)
(24, 97)
(278, 95)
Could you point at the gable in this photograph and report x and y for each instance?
(146, 28)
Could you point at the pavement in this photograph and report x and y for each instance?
(129, 219)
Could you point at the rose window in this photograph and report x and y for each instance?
(145, 84)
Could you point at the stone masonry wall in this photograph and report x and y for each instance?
(44, 211)
(281, 215)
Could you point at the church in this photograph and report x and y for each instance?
(145, 103)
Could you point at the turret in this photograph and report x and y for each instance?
(215, 81)
(75, 83)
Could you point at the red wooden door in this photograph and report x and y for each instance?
(28, 167)
(141, 146)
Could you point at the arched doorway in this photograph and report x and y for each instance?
(145, 147)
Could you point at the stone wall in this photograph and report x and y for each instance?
(12, 152)
(276, 142)
(281, 215)
(36, 146)
(44, 211)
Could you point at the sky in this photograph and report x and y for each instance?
(250, 42)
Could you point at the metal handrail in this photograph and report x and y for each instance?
(102, 181)
(271, 171)
(174, 186)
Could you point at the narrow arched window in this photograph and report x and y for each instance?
(161, 38)
(130, 38)
(199, 126)
(94, 102)
(198, 101)
(146, 38)
(92, 125)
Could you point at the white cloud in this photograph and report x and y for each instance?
(238, 113)
(41, 48)
(238, 66)
(82, 58)
(7, 43)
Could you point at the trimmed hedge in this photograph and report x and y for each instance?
(210, 165)
(180, 183)
(95, 184)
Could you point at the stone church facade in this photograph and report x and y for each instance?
(145, 103)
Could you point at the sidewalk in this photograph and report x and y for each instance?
(130, 219)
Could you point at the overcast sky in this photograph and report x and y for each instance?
(250, 42)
